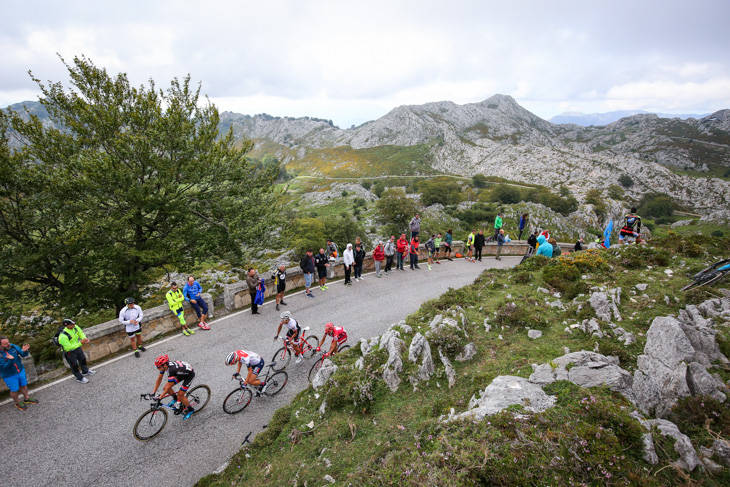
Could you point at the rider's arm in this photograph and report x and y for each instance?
(238, 369)
(321, 341)
(333, 347)
(278, 330)
(157, 383)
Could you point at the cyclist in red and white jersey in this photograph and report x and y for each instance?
(293, 334)
(177, 372)
(338, 334)
(253, 362)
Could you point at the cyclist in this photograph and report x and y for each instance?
(631, 228)
(292, 335)
(339, 337)
(176, 372)
(253, 362)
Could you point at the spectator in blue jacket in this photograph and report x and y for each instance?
(13, 372)
(192, 292)
(543, 247)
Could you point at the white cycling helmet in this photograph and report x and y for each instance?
(286, 315)
(231, 358)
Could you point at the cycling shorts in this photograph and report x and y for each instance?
(342, 338)
(185, 381)
(280, 287)
(138, 331)
(256, 369)
(290, 333)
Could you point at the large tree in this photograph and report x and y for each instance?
(125, 181)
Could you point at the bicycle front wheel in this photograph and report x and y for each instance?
(237, 400)
(315, 368)
(150, 424)
(276, 383)
(343, 348)
(309, 346)
(282, 357)
(198, 397)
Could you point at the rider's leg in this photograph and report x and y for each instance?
(252, 379)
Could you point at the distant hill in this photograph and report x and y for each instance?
(598, 119)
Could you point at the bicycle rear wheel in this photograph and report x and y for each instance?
(343, 348)
(198, 397)
(237, 400)
(315, 368)
(150, 424)
(282, 357)
(309, 346)
(276, 383)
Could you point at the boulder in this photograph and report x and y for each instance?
(641, 287)
(534, 334)
(657, 388)
(450, 372)
(603, 308)
(391, 379)
(421, 348)
(721, 449)
(666, 342)
(688, 459)
(323, 375)
(701, 382)
(467, 353)
(505, 391)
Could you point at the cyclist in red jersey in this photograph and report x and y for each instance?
(176, 372)
(253, 362)
(338, 334)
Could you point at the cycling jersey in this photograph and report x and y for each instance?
(249, 359)
(632, 224)
(177, 371)
(292, 324)
(339, 334)
(293, 327)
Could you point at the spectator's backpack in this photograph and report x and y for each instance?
(61, 329)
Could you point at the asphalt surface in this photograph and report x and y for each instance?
(81, 434)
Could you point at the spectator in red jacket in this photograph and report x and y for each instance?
(378, 257)
(414, 252)
(400, 251)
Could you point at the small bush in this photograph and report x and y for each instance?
(344, 193)
(625, 181)
(718, 234)
(366, 184)
(523, 277)
(691, 414)
(449, 339)
(682, 245)
(510, 314)
(560, 276)
(639, 256)
(535, 262)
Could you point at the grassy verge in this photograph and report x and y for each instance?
(370, 436)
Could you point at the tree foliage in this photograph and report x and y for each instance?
(439, 190)
(656, 205)
(479, 180)
(395, 210)
(136, 180)
(506, 194)
(625, 181)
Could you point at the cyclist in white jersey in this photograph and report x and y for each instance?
(253, 362)
(293, 334)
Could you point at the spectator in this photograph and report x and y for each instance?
(378, 258)
(71, 339)
(431, 249)
(175, 300)
(437, 244)
(546, 233)
(523, 224)
(556, 248)
(631, 228)
(401, 248)
(448, 239)
(131, 317)
(12, 371)
(497, 225)
(359, 257)
(252, 279)
(532, 241)
(389, 253)
(544, 248)
(479, 245)
(322, 262)
(349, 259)
(500, 242)
(307, 266)
(192, 292)
(578, 245)
(333, 255)
(362, 247)
(414, 252)
(280, 282)
(470, 246)
(415, 226)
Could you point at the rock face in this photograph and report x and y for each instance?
(603, 307)
(676, 356)
(421, 348)
(505, 391)
(395, 346)
(324, 374)
(467, 353)
(588, 369)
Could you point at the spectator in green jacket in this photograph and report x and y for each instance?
(71, 339)
(448, 239)
(175, 300)
(497, 225)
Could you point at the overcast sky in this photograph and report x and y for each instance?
(354, 61)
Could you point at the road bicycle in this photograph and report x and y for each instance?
(282, 357)
(240, 397)
(710, 275)
(153, 421)
(318, 364)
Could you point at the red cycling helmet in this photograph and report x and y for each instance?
(329, 328)
(161, 360)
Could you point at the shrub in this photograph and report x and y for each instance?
(656, 205)
(625, 181)
(344, 193)
(479, 180)
(510, 314)
(366, 184)
(683, 245)
(439, 190)
(378, 189)
(535, 262)
(523, 277)
(560, 275)
(449, 339)
(638, 256)
(506, 194)
(718, 234)
(691, 414)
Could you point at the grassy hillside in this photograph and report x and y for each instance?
(368, 435)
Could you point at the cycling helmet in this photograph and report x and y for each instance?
(161, 360)
(231, 358)
(67, 322)
(286, 315)
(329, 328)
(129, 301)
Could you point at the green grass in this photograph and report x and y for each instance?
(375, 437)
(715, 171)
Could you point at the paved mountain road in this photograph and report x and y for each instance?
(81, 435)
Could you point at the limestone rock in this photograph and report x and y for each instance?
(721, 448)
(534, 334)
(701, 382)
(666, 342)
(649, 455)
(505, 391)
(641, 287)
(688, 459)
(323, 375)
(604, 309)
(450, 372)
(421, 348)
(467, 353)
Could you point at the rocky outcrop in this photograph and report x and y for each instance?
(505, 391)
(324, 374)
(688, 458)
(420, 348)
